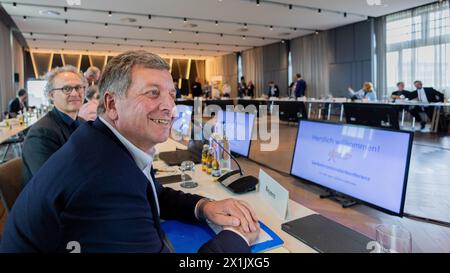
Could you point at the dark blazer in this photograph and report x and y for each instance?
(44, 138)
(300, 89)
(14, 107)
(197, 89)
(92, 192)
(250, 90)
(277, 91)
(432, 95)
(405, 93)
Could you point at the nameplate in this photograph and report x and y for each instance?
(273, 193)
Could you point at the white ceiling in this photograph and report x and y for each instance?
(86, 29)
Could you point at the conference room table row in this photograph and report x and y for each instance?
(292, 110)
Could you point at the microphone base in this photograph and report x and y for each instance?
(238, 183)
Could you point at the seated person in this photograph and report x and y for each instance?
(250, 89)
(98, 191)
(65, 88)
(215, 93)
(366, 93)
(16, 105)
(424, 95)
(273, 90)
(226, 90)
(177, 90)
(88, 111)
(401, 93)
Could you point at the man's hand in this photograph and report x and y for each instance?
(250, 236)
(231, 212)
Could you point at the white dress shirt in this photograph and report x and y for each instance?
(422, 95)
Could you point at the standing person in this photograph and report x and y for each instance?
(88, 111)
(250, 89)
(425, 95)
(197, 88)
(65, 88)
(16, 105)
(273, 90)
(99, 191)
(177, 90)
(92, 75)
(300, 86)
(242, 87)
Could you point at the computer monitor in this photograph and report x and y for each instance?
(35, 90)
(238, 127)
(367, 164)
(182, 123)
(371, 114)
(291, 111)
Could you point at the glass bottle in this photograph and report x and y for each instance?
(205, 157)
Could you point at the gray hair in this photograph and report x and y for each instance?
(91, 91)
(116, 76)
(92, 70)
(50, 77)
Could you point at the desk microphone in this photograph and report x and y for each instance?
(235, 180)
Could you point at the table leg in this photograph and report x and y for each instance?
(309, 110)
(329, 111)
(403, 117)
(342, 113)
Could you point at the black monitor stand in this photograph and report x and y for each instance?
(345, 201)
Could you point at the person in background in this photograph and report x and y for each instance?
(242, 87)
(197, 88)
(365, 93)
(425, 95)
(65, 88)
(177, 90)
(99, 190)
(226, 90)
(273, 90)
(88, 111)
(401, 92)
(92, 75)
(250, 89)
(291, 89)
(16, 105)
(215, 92)
(300, 86)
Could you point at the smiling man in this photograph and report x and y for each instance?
(65, 88)
(98, 192)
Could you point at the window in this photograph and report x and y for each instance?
(418, 47)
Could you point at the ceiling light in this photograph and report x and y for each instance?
(49, 12)
(65, 9)
(290, 6)
(243, 37)
(24, 18)
(140, 27)
(217, 23)
(170, 31)
(271, 27)
(221, 34)
(185, 20)
(109, 13)
(245, 25)
(106, 25)
(345, 14)
(319, 11)
(149, 17)
(66, 21)
(282, 41)
(257, 3)
(96, 37)
(14, 4)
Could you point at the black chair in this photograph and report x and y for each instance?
(10, 182)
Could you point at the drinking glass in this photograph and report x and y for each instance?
(184, 167)
(393, 239)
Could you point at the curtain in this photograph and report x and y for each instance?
(310, 58)
(200, 68)
(7, 91)
(418, 47)
(225, 66)
(18, 63)
(253, 68)
(380, 51)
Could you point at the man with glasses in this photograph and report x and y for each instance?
(65, 89)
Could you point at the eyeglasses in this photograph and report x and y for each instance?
(68, 89)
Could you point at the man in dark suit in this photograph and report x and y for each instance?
(65, 88)
(401, 92)
(300, 87)
(273, 90)
(425, 95)
(197, 89)
(98, 192)
(17, 104)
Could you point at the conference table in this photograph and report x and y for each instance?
(327, 104)
(15, 127)
(208, 187)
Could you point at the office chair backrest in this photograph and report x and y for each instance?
(10, 182)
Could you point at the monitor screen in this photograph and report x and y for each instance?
(365, 163)
(238, 127)
(182, 121)
(36, 97)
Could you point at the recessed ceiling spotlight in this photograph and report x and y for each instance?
(49, 12)
(109, 13)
